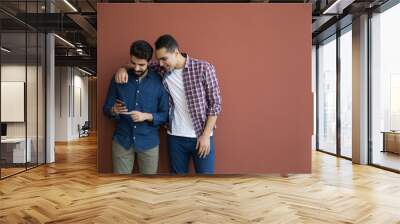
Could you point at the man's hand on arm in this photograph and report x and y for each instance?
(122, 74)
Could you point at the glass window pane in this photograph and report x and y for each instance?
(23, 85)
(327, 96)
(314, 78)
(31, 100)
(41, 98)
(14, 153)
(386, 89)
(346, 94)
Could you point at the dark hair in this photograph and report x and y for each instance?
(166, 41)
(141, 49)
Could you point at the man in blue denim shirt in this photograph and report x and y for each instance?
(139, 107)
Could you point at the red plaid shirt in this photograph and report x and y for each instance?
(201, 89)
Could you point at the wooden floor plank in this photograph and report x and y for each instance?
(71, 191)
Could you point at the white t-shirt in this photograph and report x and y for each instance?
(182, 124)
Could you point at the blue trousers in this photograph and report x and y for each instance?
(181, 149)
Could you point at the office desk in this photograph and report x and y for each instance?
(13, 150)
(391, 141)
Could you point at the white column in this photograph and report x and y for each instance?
(50, 93)
(360, 90)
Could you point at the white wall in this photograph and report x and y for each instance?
(33, 127)
(61, 103)
(9, 73)
(71, 94)
(13, 73)
(79, 112)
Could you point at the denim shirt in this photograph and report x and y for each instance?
(147, 95)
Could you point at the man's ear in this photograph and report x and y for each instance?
(176, 52)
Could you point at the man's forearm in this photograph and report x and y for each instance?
(210, 124)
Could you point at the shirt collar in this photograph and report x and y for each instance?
(186, 67)
(188, 59)
(148, 75)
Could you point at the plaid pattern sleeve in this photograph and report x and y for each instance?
(213, 96)
(202, 92)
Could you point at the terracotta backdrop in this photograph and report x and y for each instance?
(262, 54)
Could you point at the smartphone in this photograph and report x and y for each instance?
(120, 102)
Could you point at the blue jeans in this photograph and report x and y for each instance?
(181, 149)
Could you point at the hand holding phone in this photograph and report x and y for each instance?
(119, 107)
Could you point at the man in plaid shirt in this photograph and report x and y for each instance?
(195, 103)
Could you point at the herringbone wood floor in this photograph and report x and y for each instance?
(70, 191)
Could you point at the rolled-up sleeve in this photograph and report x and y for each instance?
(213, 93)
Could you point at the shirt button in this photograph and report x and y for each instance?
(134, 126)
(138, 91)
(134, 138)
(137, 104)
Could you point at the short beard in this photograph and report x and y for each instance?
(140, 74)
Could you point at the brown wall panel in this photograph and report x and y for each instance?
(92, 87)
(262, 54)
